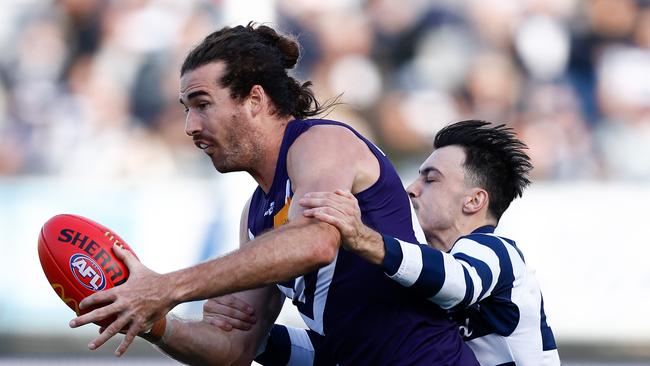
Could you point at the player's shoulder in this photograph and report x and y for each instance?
(327, 140)
(480, 242)
(330, 134)
(478, 239)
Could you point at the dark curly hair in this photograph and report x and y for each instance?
(495, 160)
(258, 55)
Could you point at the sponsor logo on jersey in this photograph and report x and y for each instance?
(465, 330)
(269, 212)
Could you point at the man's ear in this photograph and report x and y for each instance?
(475, 200)
(257, 100)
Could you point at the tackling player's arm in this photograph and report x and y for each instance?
(455, 280)
(200, 342)
(450, 280)
(314, 162)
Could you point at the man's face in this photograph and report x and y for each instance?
(218, 124)
(438, 193)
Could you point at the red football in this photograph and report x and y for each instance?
(77, 257)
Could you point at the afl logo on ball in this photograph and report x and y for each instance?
(87, 272)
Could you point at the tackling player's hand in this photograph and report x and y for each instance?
(229, 312)
(339, 208)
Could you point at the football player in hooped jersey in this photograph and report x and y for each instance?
(247, 114)
(475, 171)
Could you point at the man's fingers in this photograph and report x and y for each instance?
(93, 316)
(126, 256)
(321, 197)
(102, 329)
(235, 302)
(109, 332)
(128, 339)
(97, 298)
(229, 312)
(312, 202)
(338, 203)
(228, 324)
(341, 200)
(325, 214)
(220, 323)
(345, 193)
(238, 324)
(350, 203)
(316, 194)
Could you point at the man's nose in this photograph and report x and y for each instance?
(192, 124)
(413, 190)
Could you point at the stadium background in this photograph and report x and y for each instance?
(90, 124)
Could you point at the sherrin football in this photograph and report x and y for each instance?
(78, 260)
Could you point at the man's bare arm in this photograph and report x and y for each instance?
(199, 342)
(296, 248)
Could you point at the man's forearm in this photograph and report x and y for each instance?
(198, 342)
(279, 255)
(369, 244)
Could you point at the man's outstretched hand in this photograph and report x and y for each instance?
(145, 297)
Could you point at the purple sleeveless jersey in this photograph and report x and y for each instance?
(361, 316)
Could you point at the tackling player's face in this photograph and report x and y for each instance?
(217, 122)
(438, 192)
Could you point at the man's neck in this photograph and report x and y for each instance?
(445, 240)
(263, 170)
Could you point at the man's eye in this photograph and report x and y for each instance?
(202, 106)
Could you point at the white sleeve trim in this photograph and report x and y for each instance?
(411, 266)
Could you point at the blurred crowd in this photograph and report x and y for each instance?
(90, 87)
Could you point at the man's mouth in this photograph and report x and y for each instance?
(201, 144)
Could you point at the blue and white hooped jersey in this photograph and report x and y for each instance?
(489, 290)
(356, 314)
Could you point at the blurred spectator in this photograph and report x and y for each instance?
(90, 87)
(561, 145)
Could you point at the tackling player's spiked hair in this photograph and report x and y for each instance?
(495, 160)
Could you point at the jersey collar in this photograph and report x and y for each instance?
(487, 229)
